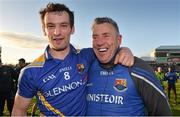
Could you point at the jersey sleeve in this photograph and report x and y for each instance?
(26, 84)
(149, 88)
(88, 54)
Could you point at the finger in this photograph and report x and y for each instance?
(116, 59)
(120, 58)
(132, 62)
(125, 61)
(128, 61)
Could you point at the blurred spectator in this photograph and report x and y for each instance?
(21, 64)
(6, 87)
(160, 75)
(171, 77)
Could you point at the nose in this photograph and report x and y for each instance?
(99, 41)
(57, 31)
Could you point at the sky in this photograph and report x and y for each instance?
(143, 24)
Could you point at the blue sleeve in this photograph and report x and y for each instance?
(26, 84)
(150, 89)
(88, 54)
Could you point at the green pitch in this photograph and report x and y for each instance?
(175, 107)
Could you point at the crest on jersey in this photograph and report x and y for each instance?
(80, 67)
(120, 85)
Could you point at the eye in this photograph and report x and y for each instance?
(106, 35)
(94, 37)
(64, 25)
(50, 26)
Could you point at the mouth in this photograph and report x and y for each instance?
(56, 39)
(102, 49)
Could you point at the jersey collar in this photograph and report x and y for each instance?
(49, 57)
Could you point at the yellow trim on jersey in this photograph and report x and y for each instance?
(39, 62)
(40, 58)
(49, 106)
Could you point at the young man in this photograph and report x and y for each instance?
(116, 90)
(171, 78)
(21, 64)
(57, 78)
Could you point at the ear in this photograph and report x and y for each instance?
(73, 30)
(43, 28)
(119, 39)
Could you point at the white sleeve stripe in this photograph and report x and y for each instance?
(149, 82)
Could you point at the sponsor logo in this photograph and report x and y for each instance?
(48, 78)
(65, 69)
(106, 98)
(106, 73)
(80, 68)
(120, 85)
(65, 88)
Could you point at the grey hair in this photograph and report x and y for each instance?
(101, 20)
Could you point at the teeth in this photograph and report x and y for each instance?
(102, 49)
(57, 38)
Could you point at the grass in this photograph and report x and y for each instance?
(6, 112)
(174, 107)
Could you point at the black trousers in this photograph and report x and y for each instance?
(173, 87)
(10, 101)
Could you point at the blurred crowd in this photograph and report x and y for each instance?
(8, 84)
(168, 77)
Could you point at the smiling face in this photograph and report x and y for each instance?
(58, 30)
(106, 40)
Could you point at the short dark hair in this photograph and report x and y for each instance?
(101, 20)
(22, 60)
(57, 7)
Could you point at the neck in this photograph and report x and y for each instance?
(110, 64)
(59, 54)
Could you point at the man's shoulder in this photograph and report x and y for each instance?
(41, 58)
(141, 64)
(142, 72)
(87, 54)
(38, 62)
(85, 50)
(139, 61)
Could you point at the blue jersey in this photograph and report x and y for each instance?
(171, 77)
(60, 85)
(113, 92)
